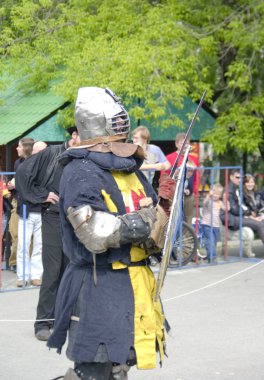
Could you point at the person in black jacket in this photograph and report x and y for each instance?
(252, 198)
(40, 185)
(24, 150)
(248, 220)
(29, 266)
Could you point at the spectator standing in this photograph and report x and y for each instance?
(206, 173)
(211, 220)
(40, 186)
(24, 150)
(188, 192)
(189, 200)
(29, 226)
(155, 159)
(7, 207)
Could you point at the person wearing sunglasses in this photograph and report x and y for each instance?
(248, 219)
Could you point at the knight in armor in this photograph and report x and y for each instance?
(105, 299)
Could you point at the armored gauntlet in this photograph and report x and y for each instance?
(136, 226)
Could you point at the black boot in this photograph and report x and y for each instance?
(94, 371)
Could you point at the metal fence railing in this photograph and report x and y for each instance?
(188, 238)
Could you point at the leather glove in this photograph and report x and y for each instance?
(167, 187)
(166, 192)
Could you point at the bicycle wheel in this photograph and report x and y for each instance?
(185, 249)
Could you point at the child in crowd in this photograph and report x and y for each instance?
(212, 205)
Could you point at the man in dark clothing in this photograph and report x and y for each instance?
(40, 185)
(234, 199)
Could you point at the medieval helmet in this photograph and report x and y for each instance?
(99, 113)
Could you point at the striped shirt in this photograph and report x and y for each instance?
(211, 211)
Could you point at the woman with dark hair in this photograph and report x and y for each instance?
(252, 205)
(24, 150)
(7, 207)
(252, 198)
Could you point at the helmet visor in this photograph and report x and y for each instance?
(120, 123)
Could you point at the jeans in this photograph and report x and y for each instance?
(210, 238)
(256, 226)
(33, 265)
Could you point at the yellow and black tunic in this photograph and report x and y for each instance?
(118, 313)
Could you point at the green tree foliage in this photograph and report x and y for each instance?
(156, 51)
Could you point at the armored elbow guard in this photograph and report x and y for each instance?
(98, 230)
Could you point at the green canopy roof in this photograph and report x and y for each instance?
(49, 131)
(204, 122)
(20, 113)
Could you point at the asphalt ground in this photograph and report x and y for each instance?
(216, 317)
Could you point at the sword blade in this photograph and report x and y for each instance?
(174, 220)
(173, 225)
(186, 138)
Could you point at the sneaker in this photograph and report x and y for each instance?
(201, 254)
(43, 334)
(36, 282)
(20, 283)
(173, 261)
(250, 254)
